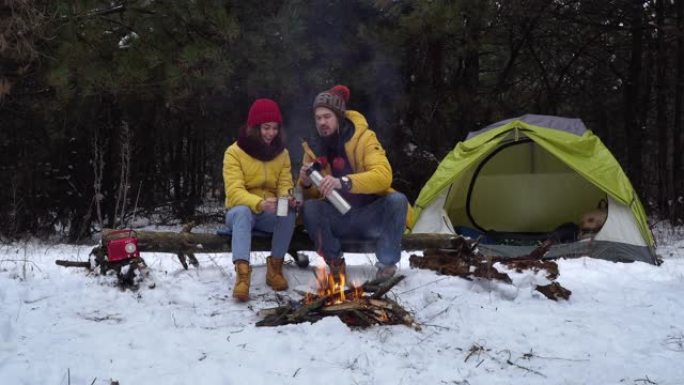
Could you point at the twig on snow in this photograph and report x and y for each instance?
(509, 362)
(645, 381)
(475, 349)
(531, 354)
(436, 326)
(23, 261)
(423, 285)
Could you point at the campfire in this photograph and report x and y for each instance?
(335, 291)
(361, 305)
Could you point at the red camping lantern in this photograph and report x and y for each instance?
(124, 246)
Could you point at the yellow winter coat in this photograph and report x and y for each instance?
(248, 180)
(372, 171)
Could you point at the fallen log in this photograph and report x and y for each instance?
(468, 265)
(82, 264)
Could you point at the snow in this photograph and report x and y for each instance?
(622, 325)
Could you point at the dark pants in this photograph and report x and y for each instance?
(383, 220)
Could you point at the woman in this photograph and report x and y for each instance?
(256, 171)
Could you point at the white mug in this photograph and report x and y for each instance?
(283, 204)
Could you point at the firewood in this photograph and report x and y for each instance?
(271, 311)
(343, 307)
(405, 316)
(386, 286)
(364, 320)
(380, 303)
(315, 305)
(362, 312)
(380, 315)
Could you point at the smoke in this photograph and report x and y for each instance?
(299, 126)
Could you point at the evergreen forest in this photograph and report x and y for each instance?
(112, 110)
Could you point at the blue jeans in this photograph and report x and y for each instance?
(241, 220)
(383, 220)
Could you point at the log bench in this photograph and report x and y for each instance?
(186, 244)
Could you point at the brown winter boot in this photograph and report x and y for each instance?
(274, 274)
(243, 278)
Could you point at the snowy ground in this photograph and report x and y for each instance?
(624, 324)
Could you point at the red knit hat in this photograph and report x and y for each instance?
(335, 99)
(263, 111)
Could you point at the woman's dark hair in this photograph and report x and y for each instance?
(254, 132)
(251, 142)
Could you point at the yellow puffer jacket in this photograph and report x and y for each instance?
(372, 171)
(248, 180)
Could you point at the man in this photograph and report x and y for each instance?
(354, 164)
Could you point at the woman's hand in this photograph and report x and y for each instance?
(269, 205)
(292, 202)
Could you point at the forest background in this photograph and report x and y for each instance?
(112, 110)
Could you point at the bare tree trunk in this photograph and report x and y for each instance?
(630, 138)
(435, 56)
(124, 172)
(678, 135)
(469, 80)
(528, 25)
(664, 180)
(98, 164)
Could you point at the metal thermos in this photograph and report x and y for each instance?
(335, 198)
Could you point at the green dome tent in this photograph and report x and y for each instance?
(513, 183)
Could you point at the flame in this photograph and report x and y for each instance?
(357, 292)
(327, 286)
(335, 290)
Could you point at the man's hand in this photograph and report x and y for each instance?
(304, 179)
(328, 184)
(269, 205)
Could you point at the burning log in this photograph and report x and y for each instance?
(356, 307)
